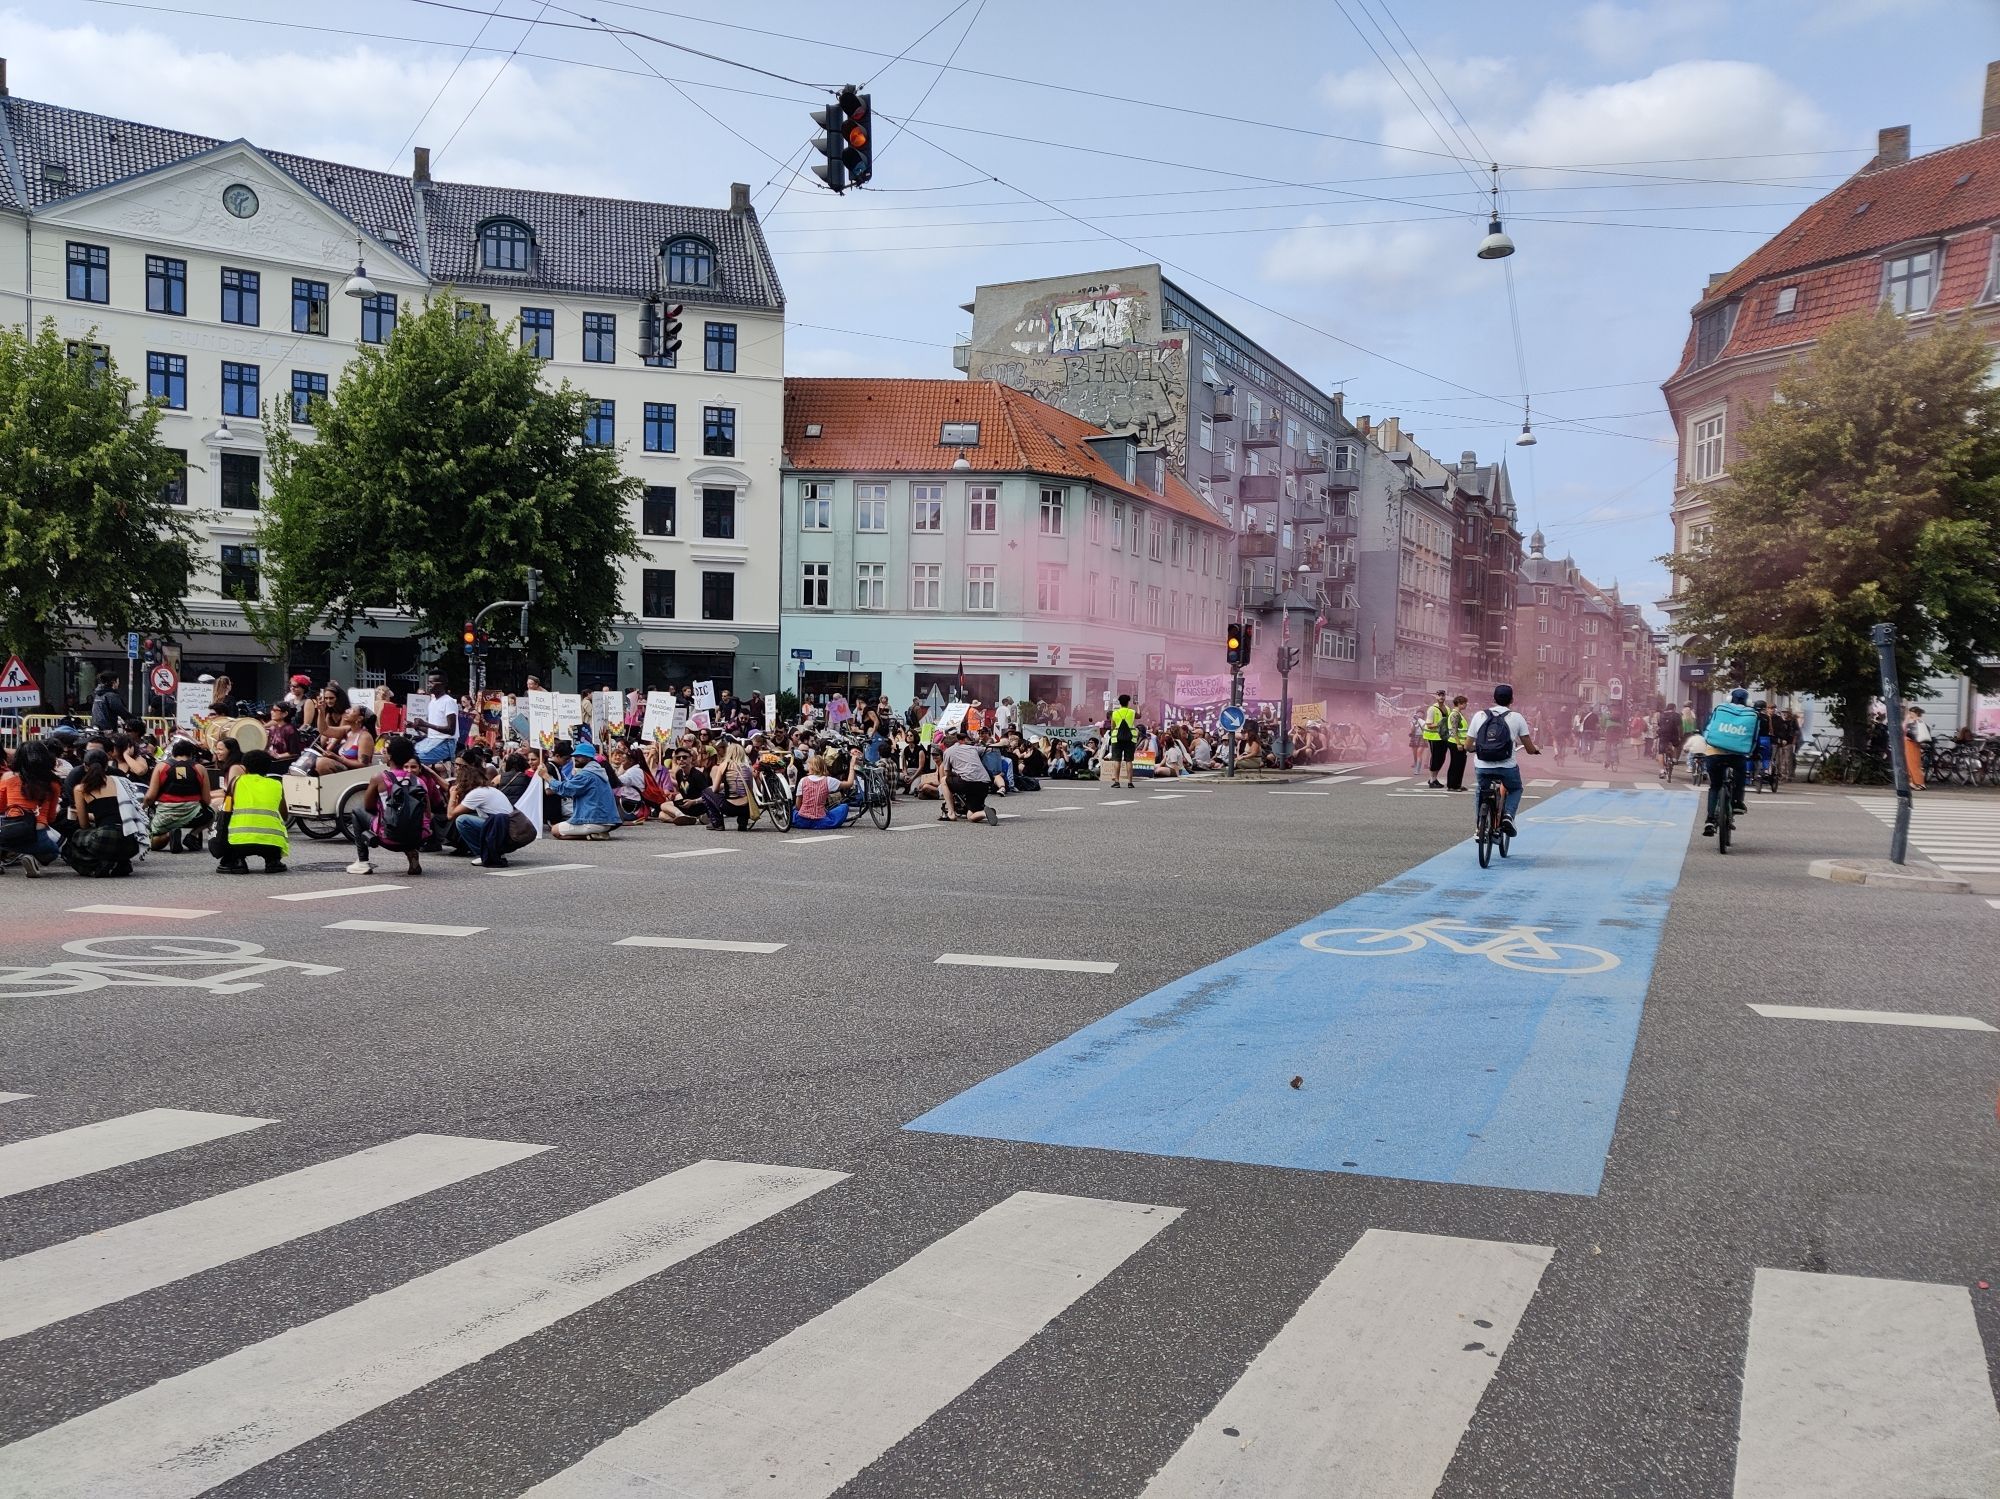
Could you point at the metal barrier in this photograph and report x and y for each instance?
(15, 729)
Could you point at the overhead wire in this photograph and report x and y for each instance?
(497, 72)
(1460, 155)
(396, 158)
(937, 77)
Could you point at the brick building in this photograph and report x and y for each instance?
(1917, 233)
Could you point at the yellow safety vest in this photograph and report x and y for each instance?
(1434, 723)
(1458, 726)
(256, 813)
(1125, 716)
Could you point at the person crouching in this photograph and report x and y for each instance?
(253, 819)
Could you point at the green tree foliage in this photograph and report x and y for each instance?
(1869, 491)
(87, 538)
(285, 610)
(440, 470)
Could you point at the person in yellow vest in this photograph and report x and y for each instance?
(1121, 738)
(1437, 736)
(253, 820)
(1455, 741)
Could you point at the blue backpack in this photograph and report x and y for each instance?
(1732, 729)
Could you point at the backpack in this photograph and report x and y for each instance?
(1495, 739)
(405, 808)
(1732, 729)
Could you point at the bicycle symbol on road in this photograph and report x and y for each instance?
(154, 963)
(1518, 947)
(1608, 822)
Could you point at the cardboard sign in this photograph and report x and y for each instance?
(192, 701)
(17, 686)
(658, 724)
(569, 713)
(770, 712)
(698, 720)
(541, 719)
(416, 713)
(952, 717)
(605, 709)
(363, 698)
(704, 697)
(1308, 713)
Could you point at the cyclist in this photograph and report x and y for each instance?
(1731, 736)
(1667, 739)
(1493, 733)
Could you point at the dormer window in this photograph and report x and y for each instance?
(1711, 332)
(1909, 282)
(505, 245)
(958, 434)
(1787, 302)
(690, 262)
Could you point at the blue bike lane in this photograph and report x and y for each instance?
(1452, 1025)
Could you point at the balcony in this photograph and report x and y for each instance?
(1225, 406)
(1345, 480)
(1311, 461)
(1342, 621)
(1257, 544)
(1264, 434)
(1342, 527)
(1261, 489)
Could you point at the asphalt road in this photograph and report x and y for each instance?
(1474, 1339)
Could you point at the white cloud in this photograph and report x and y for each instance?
(1626, 34)
(1374, 258)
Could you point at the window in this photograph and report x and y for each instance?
(1053, 501)
(1291, 433)
(1208, 375)
(1175, 543)
(690, 262)
(241, 297)
(1541, 624)
(718, 595)
(538, 331)
(1152, 606)
(1133, 616)
(175, 490)
(656, 510)
(1787, 302)
(659, 427)
(982, 507)
(871, 507)
(981, 588)
(813, 585)
(166, 286)
(167, 380)
(1541, 653)
(600, 428)
(600, 338)
(718, 431)
(504, 246)
(239, 572)
(718, 347)
(815, 505)
(309, 307)
(378, 317)
(89, 273)
(718, 514)
(1910, 282)
(1229, 454)
(1711, 332)
(926, 507)
(240, 395)
(1090, 589)
(1205, 433)
(1048, 588)
(1096, 519)
(1705, 448)
(238, 472)
(305, 387)
(958, 434)
(1153, 545)
(656, 593)
(1117, 526)
(926, 586)
(871, 589)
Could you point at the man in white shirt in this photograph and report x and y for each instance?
(1493, 734)
(1003, 716)
(440, 741)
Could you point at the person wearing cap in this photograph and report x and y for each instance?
(593, 804)
(1732, 737)
(298, 692)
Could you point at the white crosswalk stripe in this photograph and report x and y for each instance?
(47, 1159)
(14, 1097)
(805, 1415)
(1959, 836)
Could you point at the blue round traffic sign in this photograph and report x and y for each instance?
(1231, 718)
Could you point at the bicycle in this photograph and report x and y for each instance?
(773, 795)
(874, 781)
(1725, 821)
(1490, 826)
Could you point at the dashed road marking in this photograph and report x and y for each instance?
(536, 869)
(338, 891)
(408, 928)
(1132, 803)
(697, 853)
(700, 944)
(1872, 1017)
(165, 913)
(1051, 965)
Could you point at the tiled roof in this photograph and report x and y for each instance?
(1830, 253)
(891, 426)
(587, 245)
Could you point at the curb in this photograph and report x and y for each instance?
(1925, 879)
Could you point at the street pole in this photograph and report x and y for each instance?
(1285, 690)
(1229, 735)
(1884, 637)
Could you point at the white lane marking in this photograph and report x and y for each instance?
(1052, 965)
(515, 874)
(1120, 803)
(815, 838)
(1995, 904)
(700, 944)
(697, 853)
(409, 928)
(71, 1278)
(165, 913)
(1595, 785)
(936, 822)
(1855, 1387)
(14, 1097)
(1388, 781)
(1544, 781)
(1366, 1392)
(1872, 1017)
(1058, 809)
(1299, 793)
(1167, 796)
(189, 1433)
(337, 891)
(28, 1164)
(807, 1413)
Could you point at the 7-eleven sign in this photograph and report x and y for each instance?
(17, 687)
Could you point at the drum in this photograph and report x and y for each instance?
(248, 733)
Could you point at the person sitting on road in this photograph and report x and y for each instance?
(474, 804)
(1494, 734)
(253, 819)
(594, 806)
(177, 798)
(728, 793)
(30, 797)
(815, 803)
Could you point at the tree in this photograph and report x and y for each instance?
(440, 470)
(88, 539)
(1867, 491)
(285, 610)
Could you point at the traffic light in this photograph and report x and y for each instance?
(649, 329)
(535, 582)
(1249, 639)
(670, 334)
(1233, 651)
(470, 635)
(848, 143)
(659, 331)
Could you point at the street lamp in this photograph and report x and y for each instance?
(1496, 245)
(358, 285)
(222, 433)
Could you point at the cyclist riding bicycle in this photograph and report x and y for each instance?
(1494, 732)
(1731, 736)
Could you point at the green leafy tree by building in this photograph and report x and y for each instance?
(88, 538)
(1868, 491)
(439, 471)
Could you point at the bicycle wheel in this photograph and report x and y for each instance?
(1374, 942)
(879, 807)
(1725, 823)
(1485, 831)
(780, 807)
(1506, 839)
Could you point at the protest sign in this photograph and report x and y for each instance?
(953, 716)
(704, 696)
(192, 701)
(1199, 692)
(569, 713)
(1308, 713)
(364, 698)
(658, 724)
(541, 719)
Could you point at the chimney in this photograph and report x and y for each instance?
(739, 197)
(1989, 84)
(420, 170)
(1989, 114)
(1892, 147)
(1339, 396)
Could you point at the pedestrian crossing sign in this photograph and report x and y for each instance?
(17, 686)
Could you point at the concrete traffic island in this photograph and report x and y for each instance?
(1923, 878)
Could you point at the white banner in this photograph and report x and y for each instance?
(192, 701)
(363, 698)
(658, 724)
(704, 696)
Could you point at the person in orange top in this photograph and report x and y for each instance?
(29, 799)
(975, 717)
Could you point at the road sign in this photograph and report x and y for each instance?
(801, 653)
(849, 656)
(17, 686)
(1231, 718)
(131, 645)
(163, 679)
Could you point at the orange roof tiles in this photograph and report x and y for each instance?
(892, 426)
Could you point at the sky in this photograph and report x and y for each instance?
(1315, 172)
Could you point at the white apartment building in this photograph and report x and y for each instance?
(212, 274)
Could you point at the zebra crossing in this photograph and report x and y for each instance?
(1959, 836)
(1852, 1386)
